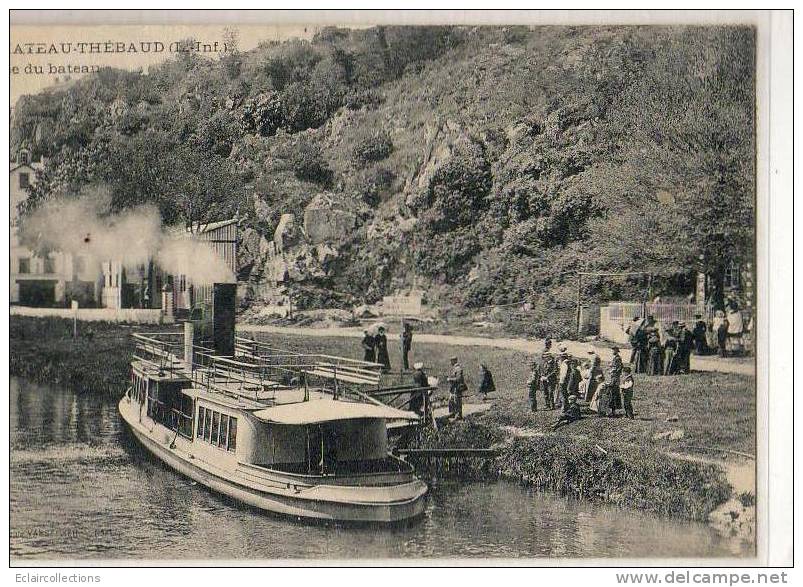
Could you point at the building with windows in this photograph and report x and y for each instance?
(58, 278)
(42, 281)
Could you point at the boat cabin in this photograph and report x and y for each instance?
(322, 436)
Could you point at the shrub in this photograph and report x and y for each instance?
(373, 148)
(308, 164)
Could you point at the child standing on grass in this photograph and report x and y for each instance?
(486, 382)
(627, 391)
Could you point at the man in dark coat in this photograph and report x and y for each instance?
(685, 342)
(699, 335)
(368, 343)
(457, 387)
(533, 385)
(615, 374)
(406, 344)
(421, 383)
(548, 379)
(382, 350)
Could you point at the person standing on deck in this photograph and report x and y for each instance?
(382, 350)
(406, 344)
(487, 384)
(548, 378)
(627, 391)
(457, 387)
(368, 344)
(615, 374)
(421, 383)
(699, 335)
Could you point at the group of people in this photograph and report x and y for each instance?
(564, 383)
(375, 347)
(457, 387)
(662, 349)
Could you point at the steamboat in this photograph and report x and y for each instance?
(297, 434)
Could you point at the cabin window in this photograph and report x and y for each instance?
(50, 265)
(224, 431)
(24, 265)
(217, 429)
(201, 421)
(215, 426)
(208, 425)
(25, 180)
(232, 434)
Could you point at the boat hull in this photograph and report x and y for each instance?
(400, 503)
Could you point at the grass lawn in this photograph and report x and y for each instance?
(714, 410)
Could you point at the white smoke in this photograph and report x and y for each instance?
(79, 226)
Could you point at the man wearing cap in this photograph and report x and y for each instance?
(548, 378)
(615, 374)
(417, 395)
(457, 386)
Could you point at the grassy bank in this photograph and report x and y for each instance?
(621, 474)
(97, 361)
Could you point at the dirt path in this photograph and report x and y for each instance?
(736, 366)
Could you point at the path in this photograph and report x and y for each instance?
(737, 366)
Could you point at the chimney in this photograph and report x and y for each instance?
(224, 306)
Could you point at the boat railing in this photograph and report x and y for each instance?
(162, 350)
(259, 371)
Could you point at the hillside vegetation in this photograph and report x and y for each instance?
(486, 164)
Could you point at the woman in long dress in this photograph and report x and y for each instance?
(585, 390)
(735, 329)
(381, 343)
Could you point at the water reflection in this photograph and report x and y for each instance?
(81, 488)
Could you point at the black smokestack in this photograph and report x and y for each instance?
(224, 307)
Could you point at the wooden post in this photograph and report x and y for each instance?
(579, 290)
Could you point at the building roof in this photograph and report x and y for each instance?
(32, 166)
(329, 410)
(179, 230)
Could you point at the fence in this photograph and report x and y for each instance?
(131, 315)
(615, 317)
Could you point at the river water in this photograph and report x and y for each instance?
(82, 489)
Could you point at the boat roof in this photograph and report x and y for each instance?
(329, 410)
